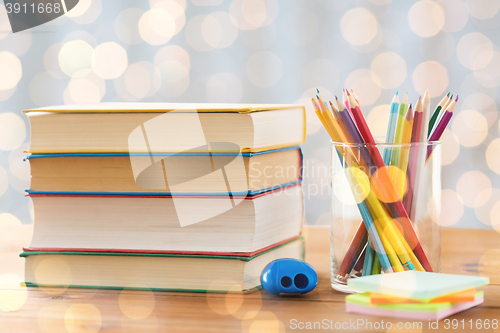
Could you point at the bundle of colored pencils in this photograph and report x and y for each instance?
(386, 240)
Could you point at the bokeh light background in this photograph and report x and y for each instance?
(268, 51)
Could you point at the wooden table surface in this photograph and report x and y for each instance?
(464, 251)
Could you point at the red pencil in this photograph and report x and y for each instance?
(390, 190)
(413, 159)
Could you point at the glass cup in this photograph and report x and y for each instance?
(384, 219)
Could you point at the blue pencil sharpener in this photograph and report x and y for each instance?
(288, 276)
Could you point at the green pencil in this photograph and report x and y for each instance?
(435, 115)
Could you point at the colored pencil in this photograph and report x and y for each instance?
(438, 132)
(383, 175)
(337, 136)
(435, 115)
(412, 160)
(404, 151)
(391, 127)
(344, 98)
(399, 129)
(419, 169)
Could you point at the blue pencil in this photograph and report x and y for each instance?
(391, 128)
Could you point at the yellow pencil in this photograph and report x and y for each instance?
(380, 216)
(404, 153)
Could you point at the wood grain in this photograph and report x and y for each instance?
(464, 251)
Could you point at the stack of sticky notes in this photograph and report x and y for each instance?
(415, 295)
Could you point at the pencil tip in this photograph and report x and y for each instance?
(312, 99)
(396, 93)
(317, 96)
(317, 90)
(336, 98)
(448, 93)
(347, 91)
(456, 100)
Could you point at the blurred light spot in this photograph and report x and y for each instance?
(194, 35)
(358, 26)
(493, 155)
(451, 147)
(378, 118)
(380, 2)
(365, 84)
(81, 34)
(252, 14)
(142, 79)
(312, 121)
(83, 318)
(7, 219)
(11, 70)
(148, 325)
(470, 184)
(300, 26)
(46, 90)
(5, 28)
(455, 13)
(51, 316)
(4, 181)
(379, 181)
(224, 88)
(51, 61)
(495, 216)
(342, 189)
(430, 75)
(172, 52)
(218, 31)
(12, 131)
(6, 94)
(12, 295)
(262, 321)
(239, 306)
(86, 11)
(451, 210)
(46, 268)
(216, 301)
(20, 169)
(181, 3)
(440, 47)
(80, 9)
(109, 60)
(157, 26)
(206, 2)
(17, 44)
(484, 104)
(390, 70)
(475, 50)
(489, 265)
(137, 305)
(321, 73)
(174, 78)
(489, 198)
(264, 69)
(489, 76)
(259, 39)
(74, 57)
(84, 90)
(470, 127)
(483, 9)
(426, 18)
(175, 9)
(127, 26)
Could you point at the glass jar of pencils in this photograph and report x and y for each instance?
(385, 218)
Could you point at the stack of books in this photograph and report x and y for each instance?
(164, 196)
(415, 295)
